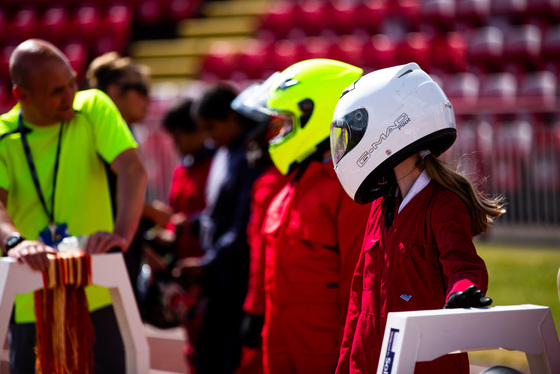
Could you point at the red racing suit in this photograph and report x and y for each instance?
(267, 185)
(313, 231)
(415, 264)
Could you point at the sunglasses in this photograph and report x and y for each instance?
(139, 87)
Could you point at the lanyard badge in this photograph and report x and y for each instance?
(53, 233)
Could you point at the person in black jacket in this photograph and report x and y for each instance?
(224, 267)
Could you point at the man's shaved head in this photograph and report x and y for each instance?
(44, 82)
(29, 56)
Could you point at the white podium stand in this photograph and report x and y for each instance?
(107, 270)
(428, 334)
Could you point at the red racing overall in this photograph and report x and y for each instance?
(314, 233)
(416, 263)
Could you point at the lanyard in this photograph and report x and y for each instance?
(34, 171)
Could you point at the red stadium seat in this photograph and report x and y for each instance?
(178, 10)
(498, 89)
(348, 48)
(440, 14)
(149, 12)
(379, 52)
(86, 23)
(77, 54)
(523, 44)
(118, 24)
(510, 8)
(415, 48)
(407, 9)
(219, 63)
(449, 52)
(342, 16)
(538, 90)
(550, 48)
(5, 53)
(278, 22)
(547, 9)
(7, 101)
(23, 24)
(313, 47)
(370, 15)
(486, 48)
(311, 17)
(462, 89)
(283, 54)
(3, 25)
(54, 24)
(473, 13)
(252, 62)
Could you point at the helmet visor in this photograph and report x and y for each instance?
(282, 124)
(251, 102)
(347, 132)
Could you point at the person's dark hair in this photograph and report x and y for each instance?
(110, 68)
(179, 117)
(215, 102)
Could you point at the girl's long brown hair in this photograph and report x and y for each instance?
(483, 209)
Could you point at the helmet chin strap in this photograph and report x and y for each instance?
(407, 174)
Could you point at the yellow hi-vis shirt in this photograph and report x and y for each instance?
(95, 135)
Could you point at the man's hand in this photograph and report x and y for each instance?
(32, 253)
(102, 242)
(472, 297)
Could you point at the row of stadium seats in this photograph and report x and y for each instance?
(448, 54)
(144, 11)
(489, 47)
(83, 30)
(288, 19)
(59, 25)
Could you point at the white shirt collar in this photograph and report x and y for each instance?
(418, 185)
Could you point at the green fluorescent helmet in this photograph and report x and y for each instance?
(303, 99)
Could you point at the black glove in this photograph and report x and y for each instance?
(472, 297)
(251, 329)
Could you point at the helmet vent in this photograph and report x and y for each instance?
(287, 84)
(405, 73)
(306, 106)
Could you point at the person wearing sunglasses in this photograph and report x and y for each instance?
(125, 81)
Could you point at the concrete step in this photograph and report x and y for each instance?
(231, 24)
(235, 8)
(219, 26)
(189, 47)
(171, 59)
(163, 67)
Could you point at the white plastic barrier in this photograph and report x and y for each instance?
(107, 270)
(428, 334)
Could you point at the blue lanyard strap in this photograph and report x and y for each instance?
(34, 171)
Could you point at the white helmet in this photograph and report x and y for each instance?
(382, 119)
